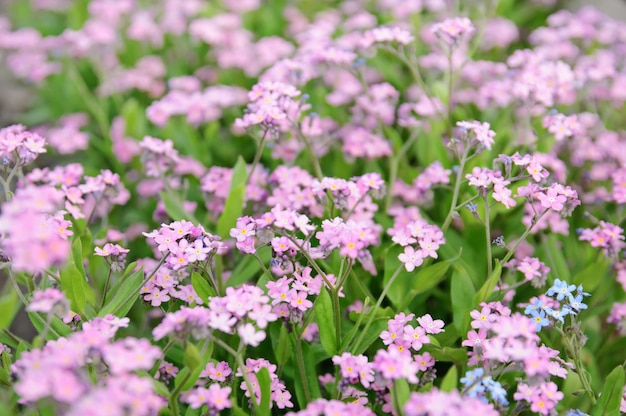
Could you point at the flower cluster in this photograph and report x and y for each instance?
(568, 300)
(182, 243)
(280, 396)
(502, 337)
(245, 310)
(114, 254)
(19, 147)
(436, 402)
(47, 245)
(90, 373)
(290, 294)
(90, 199)
(272, 106)
(453, 31)
(533, 269)
(386, 35)
(609, 237)
(420, 240)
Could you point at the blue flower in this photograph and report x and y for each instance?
(558, 314)
(575, 412)
(577, 302)
(539, 318)
(535, 305)
(561, 289)
(497, 392)
(471, 376)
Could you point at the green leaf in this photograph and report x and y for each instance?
(234, 203)
(247, 268)
(265, 385)
(611, 398)
(489, 285)
(8, 306)
(125, 295)
(457, 356)
(174, 208)
(450, 380)
(282, 349)
(462, 297)
(400, 393)
(73, 289)
(556, 258)
(74, 280)
(238, 411)
(57, 327)
(592, 275)
(309, 372)
(325, 321)
(202, 287)
(192, 356)
(133, 114)
(426, 279)
(373, 333)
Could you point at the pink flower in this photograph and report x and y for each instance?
(157, 296)
(411, 258)
(249, 335)
(431, 326)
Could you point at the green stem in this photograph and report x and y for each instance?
(457, 188)
(393, 168)
(257, 157)
(157, 364)
(488, 236)
(450, 85)
(418, 78)
(352, 333)
(174, 396)
(534, 221)
(106, 288)
(337, 313)
(375, 309)
(580, 370)
(263, 266)
(309, 147)
(130, 295)
(301, 370)
(239, 360)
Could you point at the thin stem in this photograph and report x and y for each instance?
(93, 211)
(393, 169)
(534, 222)
(130, 295)
(467, 201)
(580, 370)
(457, 188)
(356, 326)
(418, 78)
(238, 358)
(157, 364)
(450, 85)
(263, 266)
(337, 312)
(106, 288)
(301, 370)
(309, 147)
(488, 236)
(378, 303)
(174, 396)
(257, 156)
